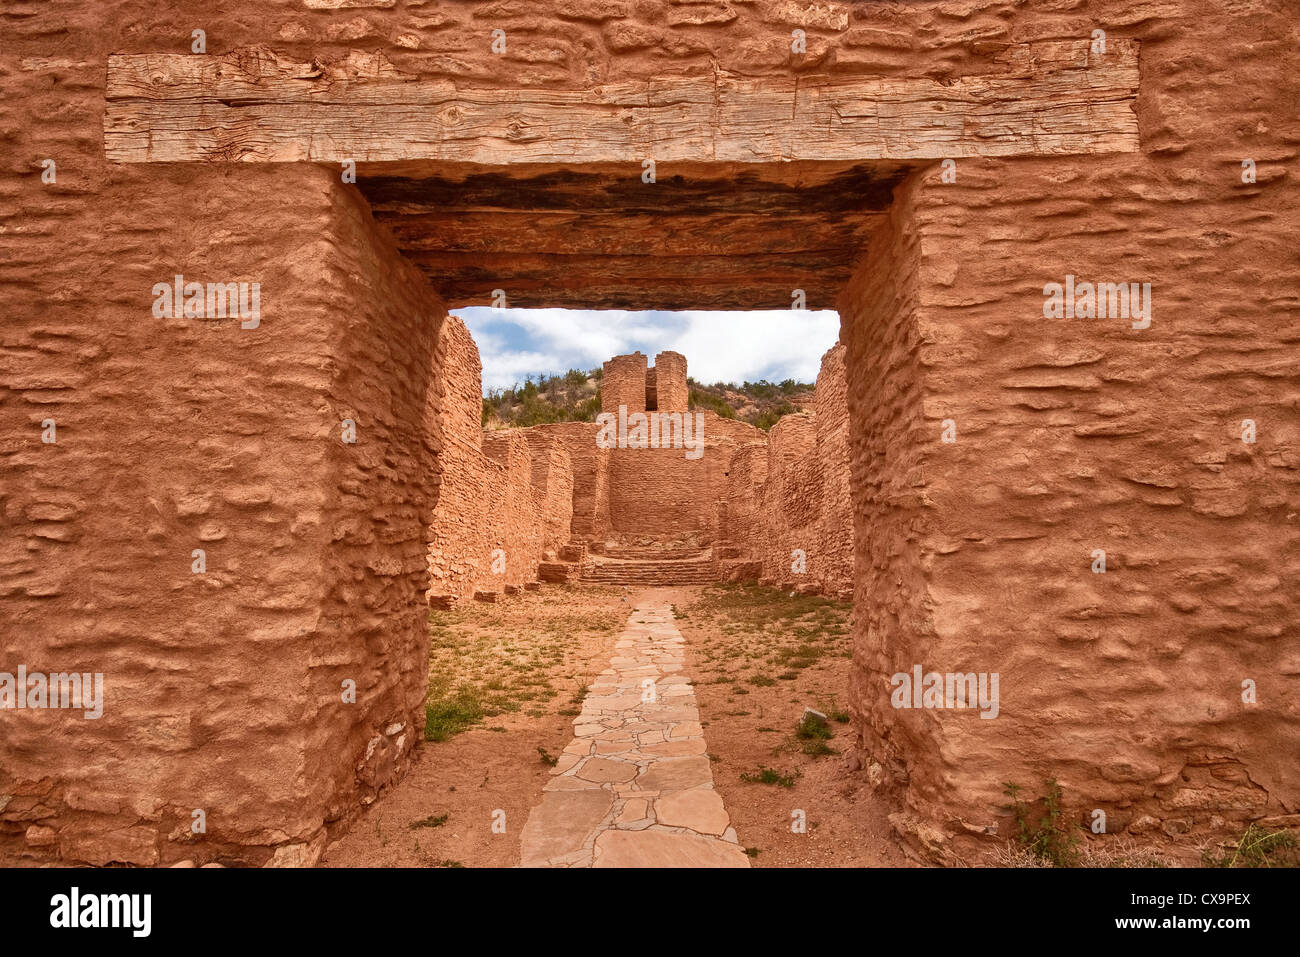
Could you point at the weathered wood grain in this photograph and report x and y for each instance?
(635, 234)
(253, 106)
(748, 292)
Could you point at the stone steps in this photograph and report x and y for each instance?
(651, 553)
(649, 572)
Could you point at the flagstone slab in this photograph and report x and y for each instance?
(678, 748)
(699, 809)
(562, 823)
(676, 774)
(655, 848)
(604, 771)
(649, 756)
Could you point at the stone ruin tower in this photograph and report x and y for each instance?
(627, 381)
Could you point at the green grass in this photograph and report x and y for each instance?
(430, 821)
(445, 717)
(1041, 828)
(1258, 847)
(811, 727)
(817, 749)
(769, 776)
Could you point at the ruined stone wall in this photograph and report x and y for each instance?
(506, 497)
(741, 521)
(553, 486)
(191, 433)
(790, 521)
(671, 393)
(462, 532)
(660, 492)
(831, 563)
(790, 499)
(1073, 435)
(623, 383)
(517, 524)
(589, 467)
(1094, 436)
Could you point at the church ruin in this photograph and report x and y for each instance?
(240, 525)
(557, 504)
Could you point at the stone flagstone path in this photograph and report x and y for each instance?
(634, 788)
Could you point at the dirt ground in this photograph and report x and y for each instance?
(506, 679)
(505, 683)
(758, 658)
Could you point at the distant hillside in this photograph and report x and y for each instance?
(575, 397)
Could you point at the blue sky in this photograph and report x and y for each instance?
(719, 346)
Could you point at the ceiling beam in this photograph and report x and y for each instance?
(254, 106)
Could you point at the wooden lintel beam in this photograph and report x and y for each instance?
(640, 294)
(254, 106)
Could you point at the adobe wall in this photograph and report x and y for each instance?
(506, 497)
(671, 392)
(662, 493)
(181, 434)
(790, 518)
(831, 561)
(589, 470)
(1080, 434)
(623, 383)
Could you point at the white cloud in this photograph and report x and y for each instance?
(719, 346)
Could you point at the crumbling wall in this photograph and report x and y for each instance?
(589, 467)
(671, 392)
(194, 531)
(662, 493)
(506, 496)
(1161, 690)
(789, 522)
(623, 383)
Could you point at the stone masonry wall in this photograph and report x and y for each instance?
(506, 497)
(623, 383)
(671, 392)
(1085, 434)
(831, 562)
(1071, 435)
(791, 499)
(553, 486)
(660, 492)
(180, 434)
(589, 465)
(790, 520)
(741, 521)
